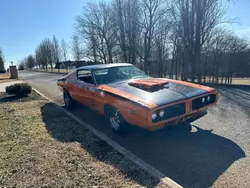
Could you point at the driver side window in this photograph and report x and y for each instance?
(85, 76)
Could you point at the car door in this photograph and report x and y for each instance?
(85, 87)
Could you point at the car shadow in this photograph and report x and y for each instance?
(12, 99)
(192, 157)
(71, 131)
(4, 97)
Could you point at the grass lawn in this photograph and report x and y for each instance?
(237, 81)
(5, 78)
(40, 146)
(241, 81)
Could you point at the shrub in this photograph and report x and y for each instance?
(21, 66)
(19, 89)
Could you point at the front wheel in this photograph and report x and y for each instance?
(68, 101)
(116, 121)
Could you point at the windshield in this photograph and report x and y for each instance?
(116, 74)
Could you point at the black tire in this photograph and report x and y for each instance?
(68, 101)
(116, 121)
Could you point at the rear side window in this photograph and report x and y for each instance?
(85, 76)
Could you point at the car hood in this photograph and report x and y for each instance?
(168, 90)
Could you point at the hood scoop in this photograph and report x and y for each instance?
(150, 85)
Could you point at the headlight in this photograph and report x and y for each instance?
(161, 113)
(203, 99)
(208, 98)
(154, 115)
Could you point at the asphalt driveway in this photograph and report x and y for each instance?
(216, 152)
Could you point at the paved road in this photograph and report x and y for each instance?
(216, 152)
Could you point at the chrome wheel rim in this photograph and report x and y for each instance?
(115, 120)
(66, 99)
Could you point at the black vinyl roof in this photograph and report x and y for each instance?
(103, 66)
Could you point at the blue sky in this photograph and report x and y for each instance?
(24, 23)
(240, 9)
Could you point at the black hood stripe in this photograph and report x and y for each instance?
(187, 91)
(126, 99)
(175, 92)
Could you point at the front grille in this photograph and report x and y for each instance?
(171, 111)
(197, 103)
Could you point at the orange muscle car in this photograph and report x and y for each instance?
(126, 95)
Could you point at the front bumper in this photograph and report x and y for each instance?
(191, 114)
(181, 119)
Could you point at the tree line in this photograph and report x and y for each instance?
(48, 54)
(181, 39)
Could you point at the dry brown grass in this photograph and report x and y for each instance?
(241, 81)
(236, 81)
(42, 147)
(6, 78)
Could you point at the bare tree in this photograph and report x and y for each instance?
(197, 20)
(29, 62)
(56, 53)
(44, 54)
(218, 49)
(224, 56)
(96, 24)
(160, 44)
(40, 59)
(237, 46)
(2, 61)
(153, 10)
(21, 65)
(120, 23)
(164, 37)
(48, 49)
(177, 53)
(64, 50)
(76, 48)
(127, 14)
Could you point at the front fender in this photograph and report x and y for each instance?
(134, 114)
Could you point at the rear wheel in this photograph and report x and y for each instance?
(116, 121)
(68, 101)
